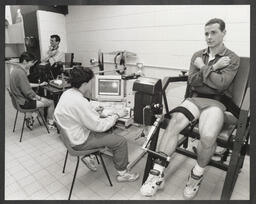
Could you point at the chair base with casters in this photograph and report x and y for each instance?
(24, 111)
(78, 154)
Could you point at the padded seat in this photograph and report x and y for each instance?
(227, 129)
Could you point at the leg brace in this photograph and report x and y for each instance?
(162, 158)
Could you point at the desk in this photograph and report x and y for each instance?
(53, 93)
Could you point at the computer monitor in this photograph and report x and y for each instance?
(109, 88)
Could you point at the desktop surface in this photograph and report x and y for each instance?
(60, 84)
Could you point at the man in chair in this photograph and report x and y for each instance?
(211, 74)
(23, 92)
(54, 56)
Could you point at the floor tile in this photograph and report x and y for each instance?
(40, 195)
(54, 187)
(32, 188)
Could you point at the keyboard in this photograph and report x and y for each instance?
(109, 107)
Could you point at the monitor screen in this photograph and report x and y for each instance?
(109, 88)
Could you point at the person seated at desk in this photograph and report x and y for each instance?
(54, 57)
(211, 75)
(23, 92)
(85, 127)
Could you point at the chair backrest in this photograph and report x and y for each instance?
(65, 139)
(67, 143)
(14, 102)
(16, 105)
(241, 81)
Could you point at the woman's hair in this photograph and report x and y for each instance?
(79, 75)
(26, 56)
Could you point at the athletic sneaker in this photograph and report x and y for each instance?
(127, 177)
(29, 123)
(192, 186)
(90, 163)
(50, 124)
(154, 182)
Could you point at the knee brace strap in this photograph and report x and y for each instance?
(162, 162)
(184, 111)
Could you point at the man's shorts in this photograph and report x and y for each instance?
(203, 103)
(31, 104)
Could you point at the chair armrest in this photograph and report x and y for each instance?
(168, 80)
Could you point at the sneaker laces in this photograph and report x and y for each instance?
(150, 179)
(154, 176)
(90, 163)
(127, 176)
(194, 180)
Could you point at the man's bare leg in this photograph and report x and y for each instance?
(178, 122)
(210, 124)
(46, 103)
(167, 144)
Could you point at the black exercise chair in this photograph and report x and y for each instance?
(233, 137)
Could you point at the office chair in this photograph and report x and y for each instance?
(78, 153)
(19, 109)
(233, 137)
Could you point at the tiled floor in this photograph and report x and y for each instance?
(33, 171)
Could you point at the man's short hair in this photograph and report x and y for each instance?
(26, 56)
(57, 38)
(79, 75)
(217, 20)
